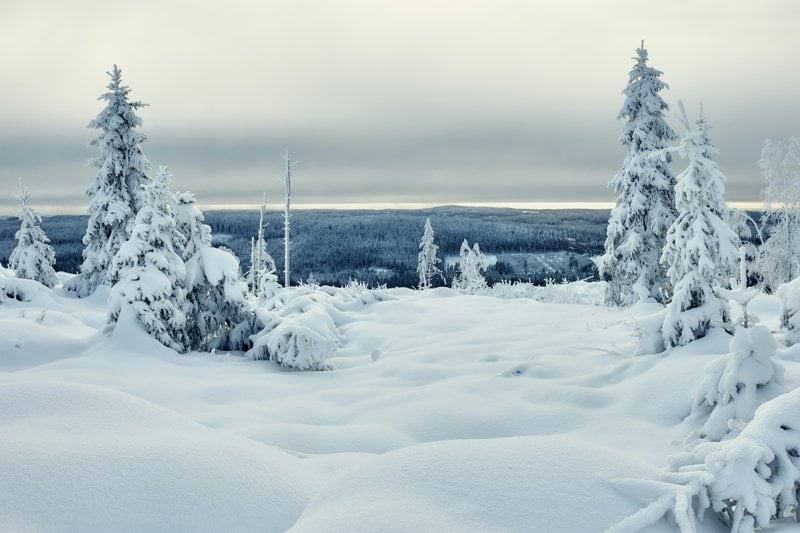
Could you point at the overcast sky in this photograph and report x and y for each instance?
(412, 101)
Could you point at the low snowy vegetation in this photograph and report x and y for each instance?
(735, 384)
(471, 267)
(746, 481)
(482, 407)
(33, 258)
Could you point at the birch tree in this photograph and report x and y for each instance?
(780, 166)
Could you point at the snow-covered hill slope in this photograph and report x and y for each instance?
(445, 413)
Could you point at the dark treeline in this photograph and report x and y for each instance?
(381, 246)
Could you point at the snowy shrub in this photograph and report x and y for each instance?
(299, 341)
(217, 308)
(701, 249)
(218, 313)
(735, 384)
(747, 481)
(471, 266)
(33, 258)
(301, 329)
(116, 193)
(268, 286)
(645, 206)
(148, 273)
(789, 294)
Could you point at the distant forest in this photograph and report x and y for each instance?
(380, 246)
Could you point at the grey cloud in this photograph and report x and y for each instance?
(384, 101)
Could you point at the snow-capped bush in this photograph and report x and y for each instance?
(645, 206)
(301, 329)
(268, 286)
(747, 481)
(299, 341)
(789, 294)
(735, 384)
(471, 266)
(116, 193)
(218, 313)
(148, 273)
(33, 258)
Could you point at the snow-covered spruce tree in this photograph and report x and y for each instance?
(33, 258)
(471, 266)
(735, 384)
(780, 254)
(116, 193)
(644, 186)
(148, 273)
(701, 251)
(193, 233)
(428, 259)
(217, 311)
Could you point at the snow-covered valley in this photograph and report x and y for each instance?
(444, 412)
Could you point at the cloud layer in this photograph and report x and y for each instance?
(382, 101)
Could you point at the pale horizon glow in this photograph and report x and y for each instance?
(51, 210)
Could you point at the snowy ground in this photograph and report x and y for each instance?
(446, 413)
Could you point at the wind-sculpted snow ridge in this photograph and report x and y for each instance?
(748, 481)
(301, 329)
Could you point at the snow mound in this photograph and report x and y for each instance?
(85, 458)
(511, 484)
